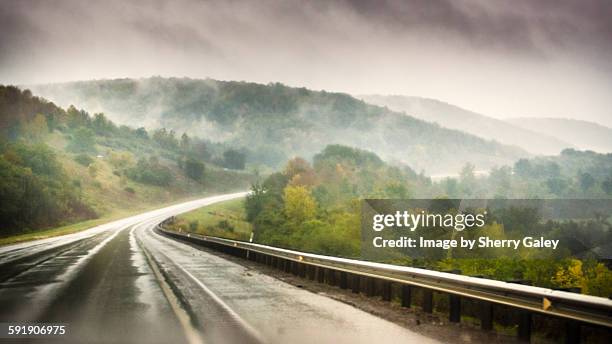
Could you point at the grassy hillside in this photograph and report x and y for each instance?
(582, 134)
(453, 117)
(274, 122)
(225, 219)
(59, 167)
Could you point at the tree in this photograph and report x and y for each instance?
(556, 185)
(82, 140)
(570, 276)
(450, 187)
(299, 204)
(523, 168)
(500, 179)
(254, 202)
(35, 129)
(166, 138)
(194, 169)
(586, 181)
(296, 166)
(234, 159)
(102, 126)
(150, 172)
(185, 142)
(552, 169)
(467, 177)
(396, 190)
(300, 172)
(121, 160)
(142, 133)
(77, 118)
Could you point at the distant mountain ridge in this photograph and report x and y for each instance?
(275, 122)
(583, 134)
(454, 117)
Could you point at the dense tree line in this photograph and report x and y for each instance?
(572, 174)
(316, 208)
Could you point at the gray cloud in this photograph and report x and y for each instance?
(502, 58)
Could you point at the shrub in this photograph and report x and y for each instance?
(83, 159)
(225, 225)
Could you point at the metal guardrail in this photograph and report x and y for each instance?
(361, 275)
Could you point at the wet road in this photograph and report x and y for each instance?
(124, 283)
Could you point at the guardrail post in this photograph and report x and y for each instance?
(320, 272)
(355, 283)
(524, 322)
(572, 332)
(302, 270)
(455, 308)
(370, 286)
(486, 315)
(427, 301)
(524, 327)
(310, 272)
(572, 328)
(406, 295)
(295, 268)
(386, 291)
(343, 279)
(331, 277)
(454, 302)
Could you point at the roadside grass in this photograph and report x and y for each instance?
(80, 226)
(223, 219)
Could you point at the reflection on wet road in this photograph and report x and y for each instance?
(123, 282)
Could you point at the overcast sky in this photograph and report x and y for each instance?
(501, 58)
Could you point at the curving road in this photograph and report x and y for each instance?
(122, 282)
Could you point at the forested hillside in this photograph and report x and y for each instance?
(572, 174)
(63, 166)
(276, 122)
(316, 208)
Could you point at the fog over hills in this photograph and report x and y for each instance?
(583, 134)
(274, 122)
(454, 117)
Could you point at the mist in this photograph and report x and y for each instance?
(524, 58)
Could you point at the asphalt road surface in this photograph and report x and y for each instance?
(124, 283)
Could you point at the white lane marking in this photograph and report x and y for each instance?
(191, 334)
(225, 307)
(148, 228)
